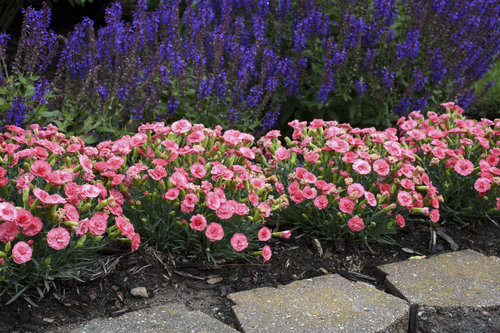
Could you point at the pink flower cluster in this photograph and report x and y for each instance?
(458, 150)
(354, 174)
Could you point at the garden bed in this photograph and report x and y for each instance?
(72, 303)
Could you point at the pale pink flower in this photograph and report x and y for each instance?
(179, 180)
(8, 231)
(198, 222)
(280, 188)
(266, 253)
(82, 228)
(498, 203)
(400, 220)
(138, 139)
(321, 202)
(282, 153)
(464, 167)
(247, 152)
(71, 212)
(404, 198)
(264, 209)
(370, 198)
(393, 148)
(23, 181)
(232, 137)
(239, 242)
(22, 252)
(482, 185)
(356, 187)
(8, 211)
(286, 234)
(214, 232)
(264, 234)
(381, 167)
(362, 167)
(121, 147)
(89, 191)
(356, 224)
(181, 126)
(346, 205)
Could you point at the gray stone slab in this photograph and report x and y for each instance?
(451, 292)
(323, 304)
(164, 318)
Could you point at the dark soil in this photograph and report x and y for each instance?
(203, 287)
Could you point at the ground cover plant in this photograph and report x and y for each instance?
(244, 65)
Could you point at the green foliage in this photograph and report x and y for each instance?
(488, 106)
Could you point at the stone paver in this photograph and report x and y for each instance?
(324, 304)
(167, 318)
(451, 292)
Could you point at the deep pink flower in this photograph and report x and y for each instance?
(434, 215)
(464, 167)
(356, 224)
(214, 232)
(239, 242)
(253, 198)
(8, 231)
(226, 210)
(198, 222)
(266, 253)
(264, 234)
(282, 153)
(346, 205)
(400, 220)
(98, 223)
(136, 241)
(171, 194)
(310, 178)
(195, 137)
(48, 199)
(23, 217)
(22, 252)
(381, 167)
(213, 201)
(309, 192)
(482, 185)
(297, 197)
(198, 170)
(293, 187)
(58, 238)
(404, 198)
(241, 209)
(321, 202)
(40, 168)
(311, 157)
(158, 173)
(126, 228)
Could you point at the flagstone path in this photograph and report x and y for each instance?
(451, 292)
